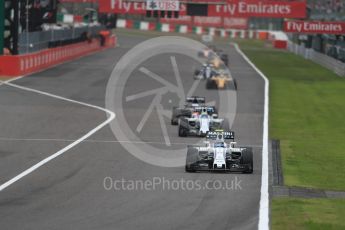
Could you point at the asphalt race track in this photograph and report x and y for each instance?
(68, 192)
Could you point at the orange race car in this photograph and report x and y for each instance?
(221, 81)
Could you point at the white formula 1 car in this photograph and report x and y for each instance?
(217, 155)
(193, 104)
(207, 71)
(199, 124)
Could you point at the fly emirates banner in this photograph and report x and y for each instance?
(230, 8)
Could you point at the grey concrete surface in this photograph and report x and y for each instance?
(68, 192)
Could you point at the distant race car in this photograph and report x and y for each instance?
(217, 155)
(224, 57)
(215, 56)
(199, 124)
(206, 71)
(193, 104)
(221, 80)
(215, 78)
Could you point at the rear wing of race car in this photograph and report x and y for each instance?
(196, 100)
(214, 135)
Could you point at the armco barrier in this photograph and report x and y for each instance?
(39, 40)
(277, 38)
(18, 65)
(199, 30)
(330, 63)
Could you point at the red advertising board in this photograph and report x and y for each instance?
(208, 21)
(220, 22)
(207, 1)
(235, 23)
(233, 8)
(122, 7)
(182, 20)
(314, 27)
(257, 8)
(77, 1)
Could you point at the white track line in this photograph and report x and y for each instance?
(103, 141)
(264, 199)
(10, 80)
(110, 114)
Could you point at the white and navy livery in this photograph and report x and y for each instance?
(218, 155)
(193, 104)
(207, 71)
(199, 124)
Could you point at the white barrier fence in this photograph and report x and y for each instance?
(328, 62)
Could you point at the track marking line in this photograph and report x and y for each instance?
(111, 116)
(10, 80)
(105, 141)
(264, 197)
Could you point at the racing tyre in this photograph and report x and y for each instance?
(191, 159)
(225, 59)
(185, 113)
(182, 132)
(225, 125)
(247, 159)
(210, 84)
(215, 110)
(235, 84)
(174, 119)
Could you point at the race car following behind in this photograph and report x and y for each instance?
(206, 71)
(218, 155)
(199, 124)
(212, 53)
(221, 80)
(216, 78)
(193, 104)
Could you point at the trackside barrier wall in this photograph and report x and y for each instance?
(277, 38)
(328, 62)
(36, 41)
(18, 65)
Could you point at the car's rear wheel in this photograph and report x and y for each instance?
(174, 119)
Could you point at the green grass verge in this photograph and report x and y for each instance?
(307, 113)
(323, 214)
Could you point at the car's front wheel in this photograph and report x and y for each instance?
(182, 132)
(247, 159)
(191, 159)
